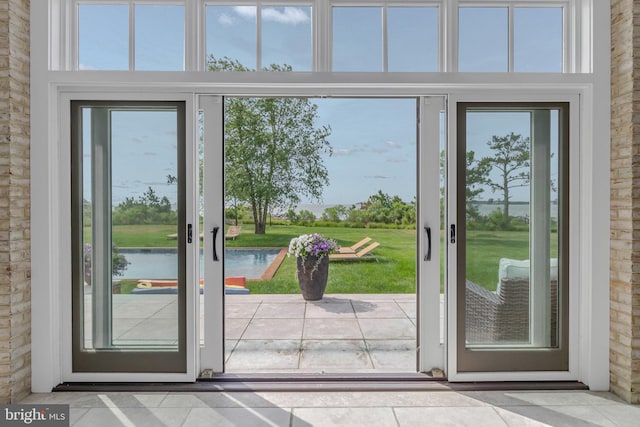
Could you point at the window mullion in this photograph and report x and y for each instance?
(449, 33)
(511, 41)
(132, 36)
(258, 35)
(193, 37)
(385, 40)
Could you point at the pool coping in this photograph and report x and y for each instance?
(273, 267)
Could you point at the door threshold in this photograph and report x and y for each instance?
(226, 383)
(312, 377)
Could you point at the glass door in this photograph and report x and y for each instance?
(129, 237)
(381, 311)
(512, 237)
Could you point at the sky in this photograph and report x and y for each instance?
(374, 140)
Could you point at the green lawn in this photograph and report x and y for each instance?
(393, 272)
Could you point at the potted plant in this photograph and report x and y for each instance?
(312, 253)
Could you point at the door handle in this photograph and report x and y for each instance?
(215, 237)
(427, 256)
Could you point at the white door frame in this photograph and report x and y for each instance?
(62, 283)
(430, 352)
(576, 283)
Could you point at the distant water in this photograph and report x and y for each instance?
(517, 210)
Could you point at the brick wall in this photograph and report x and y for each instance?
(625, 200)
(15, 267)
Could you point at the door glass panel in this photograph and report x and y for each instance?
(129, 272)
(142, 233)
(513, 196)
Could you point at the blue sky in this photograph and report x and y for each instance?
(374, 140)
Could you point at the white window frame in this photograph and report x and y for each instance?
(576, 36)
(52, 75)
(567, 28)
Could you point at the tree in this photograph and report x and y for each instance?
(334, 213)
(146, 209)
(477, 173)
(273, 149)
(476, 176)
(511, 160)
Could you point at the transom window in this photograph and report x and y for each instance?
(500, 39)
(324, 35)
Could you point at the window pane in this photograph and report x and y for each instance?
(412, 38)
(286, 37)
(357, 39)
(538, 39)
(159, 37)
(512, 243)
(484, 39)
(231, 33)
(103, 37)
(124, 207)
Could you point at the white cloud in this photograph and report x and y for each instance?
(392, 144)
(288, 15)
(225, 19)
(245, 11)
(396, 160)
(379, 150)
(342, 152)
(83, 67)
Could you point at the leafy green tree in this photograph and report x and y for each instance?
(146, 209)
(476, 176)
(334, 213)
(119, 263)
(273, 149)
(511, 154)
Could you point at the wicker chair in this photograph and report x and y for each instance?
(503, 317)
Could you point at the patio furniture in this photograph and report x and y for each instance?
(502, 316)
(233, 232)
(363, 254)
(353, 249)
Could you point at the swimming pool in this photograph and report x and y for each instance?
(163, 263)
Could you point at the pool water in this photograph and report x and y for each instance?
(163, 263)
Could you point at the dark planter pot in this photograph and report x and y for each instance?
(312, 277)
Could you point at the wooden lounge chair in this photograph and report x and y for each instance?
(233, 232)
(363, 254)
(353, 249)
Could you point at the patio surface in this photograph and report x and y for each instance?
(362, 333)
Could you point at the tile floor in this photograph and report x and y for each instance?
(340, 333)
(370, 409)
(350, 333)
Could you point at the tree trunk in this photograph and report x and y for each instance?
(506, 200)
(260, 227)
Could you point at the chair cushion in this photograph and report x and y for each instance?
(519, 269)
